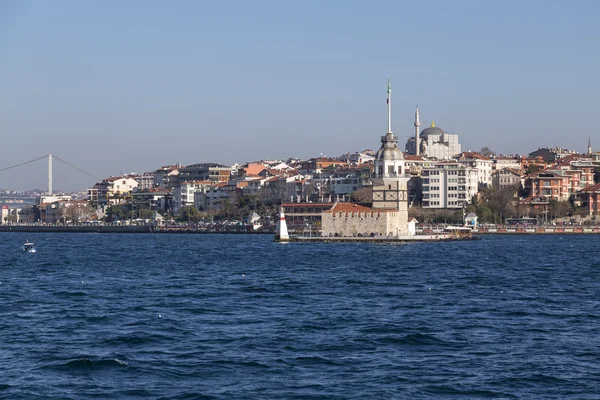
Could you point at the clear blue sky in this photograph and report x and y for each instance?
(128, 86)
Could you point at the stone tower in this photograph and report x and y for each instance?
(390, 180)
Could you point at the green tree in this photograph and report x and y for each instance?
(486, 151)
(531, 168)
(115, 212)
(188, 213)
(146, 214)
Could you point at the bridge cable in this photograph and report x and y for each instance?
(78, 169)
(26, 162)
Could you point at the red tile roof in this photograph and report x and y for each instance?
(472, 154)
(254, 169)
(591, 188)
(351, 207)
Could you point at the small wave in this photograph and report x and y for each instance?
(316, 360)
(87, 364)
(189, 396)
(136, 339)
(516, 314)
(255, 289)
(414, 339)
(64, 293)
(383, 329)
(470, 393)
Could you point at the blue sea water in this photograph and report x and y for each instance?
(159, 316)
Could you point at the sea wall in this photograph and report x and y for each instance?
(78, 229)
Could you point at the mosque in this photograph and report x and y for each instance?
(388, 215)
(433, 142)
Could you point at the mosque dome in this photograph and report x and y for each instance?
(432, 130)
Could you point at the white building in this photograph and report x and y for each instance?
(506, 177)
(111, 190)
(448, 185)
(433, 142)
(167, 176)
(348, 180)
(481, 163)
(502, 162)
(183, 194)
(360, 158)
(145, 181)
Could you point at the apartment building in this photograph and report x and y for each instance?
(448, 185)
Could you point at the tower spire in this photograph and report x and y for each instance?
(590, 146)
(389, 102)
(417, 124)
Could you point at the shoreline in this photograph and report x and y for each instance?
(182, 230)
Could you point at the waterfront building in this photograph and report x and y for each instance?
(205, 172)
(145, 181)
(184, 193)
(506, 177)
(167, 176)
(112, 190)
(502, 162)
(216, 194)
(551, 183)
(481, 163)
(157, 199)
(317, 165)
(590, 199)
(388, 215)
(360, 158)
(4, 214)
(551, 154)
(448, 184)
(345, 181)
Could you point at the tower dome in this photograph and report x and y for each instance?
(389, 150)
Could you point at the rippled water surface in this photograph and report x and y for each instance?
(239, 317)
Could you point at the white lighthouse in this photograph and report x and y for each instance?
(281, 233)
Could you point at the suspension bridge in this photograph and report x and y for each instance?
(50, 158)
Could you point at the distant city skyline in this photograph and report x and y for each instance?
(129, 86)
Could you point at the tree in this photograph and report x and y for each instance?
(188, 213)
(499, 202)
(486, 151)
(364, 195)
(146, 214)
(531, 168)
(557, 209)
(115, 212)
(77, 212)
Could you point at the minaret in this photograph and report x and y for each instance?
(417, 124)
(590, 146)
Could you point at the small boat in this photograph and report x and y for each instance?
(28, 247)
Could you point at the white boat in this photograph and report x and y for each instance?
(28, 247)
